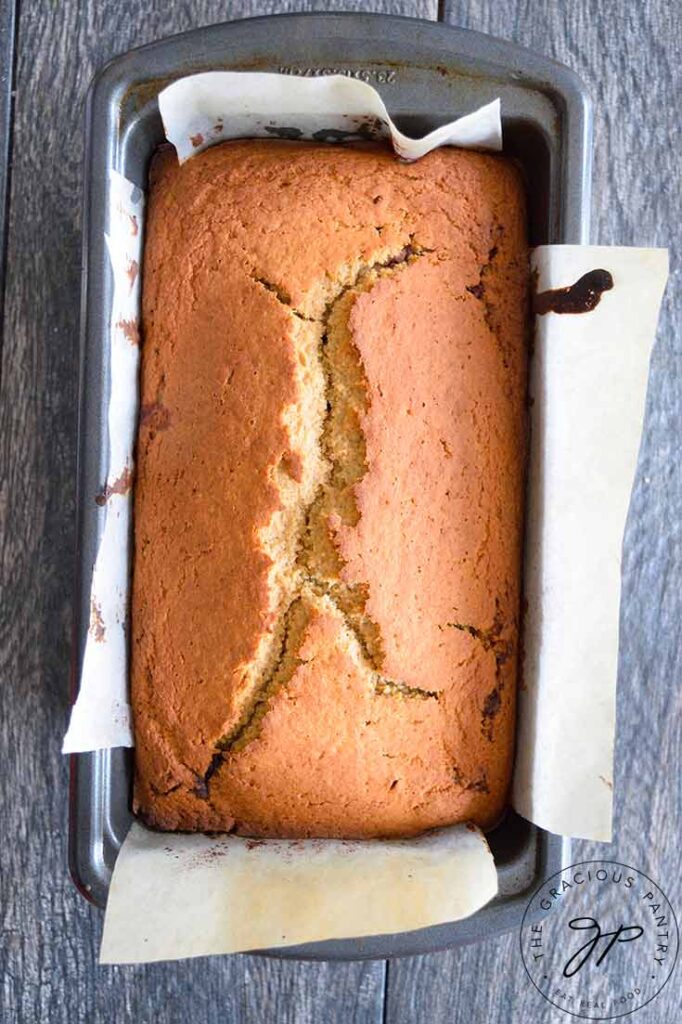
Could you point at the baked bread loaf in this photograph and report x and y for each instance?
(329, 490)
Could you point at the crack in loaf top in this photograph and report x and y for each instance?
(288, 287)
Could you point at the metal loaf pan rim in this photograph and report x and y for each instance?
(122, 127)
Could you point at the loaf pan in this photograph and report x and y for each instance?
(427, 74)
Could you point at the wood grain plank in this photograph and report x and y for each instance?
(629, 57)
(50, 936)
(7, 27)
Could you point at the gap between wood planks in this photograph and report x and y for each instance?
(9, 27)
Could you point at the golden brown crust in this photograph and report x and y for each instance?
(328, 498)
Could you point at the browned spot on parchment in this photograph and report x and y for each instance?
(132, 272)
(121, 485)
(581, 297)
(196, 140)
(130, 330)
(97, 630)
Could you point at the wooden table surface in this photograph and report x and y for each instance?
(628, 53)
